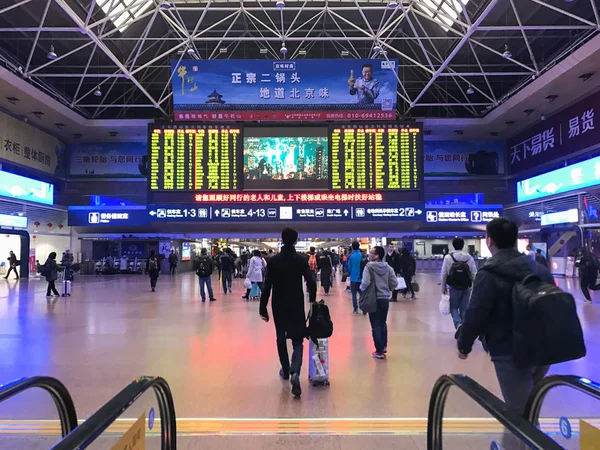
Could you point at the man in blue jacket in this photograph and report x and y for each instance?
(354, 268)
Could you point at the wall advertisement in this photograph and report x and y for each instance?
(108, 160)
(463, 158)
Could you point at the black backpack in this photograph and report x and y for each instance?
(203, 269)
(153, 264)
(320, 325)
(459, 276)
(545, 326)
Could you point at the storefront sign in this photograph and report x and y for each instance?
(570, 178)
(463, 158)
(9, 221)
(267, 212)
(108, 160)
(26, 145)
(23, 188)
(32, 261)
(569, 216)
(305, 89)
(567, 132)
(91, 216)
(463, 215)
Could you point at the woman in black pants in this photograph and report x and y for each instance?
(50, 271)
(408, 267)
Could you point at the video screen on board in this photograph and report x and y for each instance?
(286, 158)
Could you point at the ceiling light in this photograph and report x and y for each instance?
(52, 54)
(280, 4)
(470, 90)
(98, 92)
(507, 54)
(223, 50)
(345, 53)
(263, 51)
(190, 51)
(165, 4)
(302, 52)
(392, 4)
(377, 47)
(551, 97)
(283, 48)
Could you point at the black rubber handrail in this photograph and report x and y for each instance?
(541, 389)
(516, 424)
(59, 393)
(97, 423)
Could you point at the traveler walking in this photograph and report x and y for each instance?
(541, 259)
(284, 277)
(381, 273)
(498, 289)
(226, 270)
(325, 267)
(172, 262)
(458, 272)
(153, 269)
(408, 268)
(588, 266)
(218, 260)
(204, 270)
(50, 272)
(256, 268)
(12, 265)
(392, 257)
(354, 269)
(313, 263)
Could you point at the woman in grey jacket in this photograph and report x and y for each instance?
(379, 272)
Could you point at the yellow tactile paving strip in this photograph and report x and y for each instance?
(325, 426)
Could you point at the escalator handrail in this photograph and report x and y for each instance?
(57, 390)
(541, 389)
(97, 423)
(515, 423)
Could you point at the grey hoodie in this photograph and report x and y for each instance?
(385, 278)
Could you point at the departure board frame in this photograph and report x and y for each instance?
(193, 175)
(368, 179)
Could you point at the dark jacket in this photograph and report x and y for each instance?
(587, 263)
(52, 268)
(154, 273)
(284, 277)
(209, 264)
(12, 260)
(324, 261)
(407, 266)
(226, 263)
(540, 259)
(393, 260)
(490, 310)
(173, 259)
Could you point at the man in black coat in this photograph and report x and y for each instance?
(392, 257)
(284, 276)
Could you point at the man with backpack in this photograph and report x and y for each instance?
(313, 263)
(458, 272)
(204, 270)
(226, 270)
(525, 321)
(285, 272)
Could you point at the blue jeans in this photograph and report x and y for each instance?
(226, 280)
(459, 301)
(354, 289)
(206, 281)
(379, 326)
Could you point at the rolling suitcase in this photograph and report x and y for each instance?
(318, 361)
(66, 288)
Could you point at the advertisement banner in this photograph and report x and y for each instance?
(565, 133)
(30, 147)
(306, 89)
(24, 188)
(108, 160)
(576, 176)
(463, 158)
(32, 262)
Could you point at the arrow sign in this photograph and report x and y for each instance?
(418, 212)
(217, 212)
(346, 212)
(152, 213)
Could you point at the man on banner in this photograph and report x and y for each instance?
(366, 88)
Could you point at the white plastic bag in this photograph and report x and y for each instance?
(247, 283)
(445, 304)
(401, 283)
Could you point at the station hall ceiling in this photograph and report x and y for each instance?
(458, 59)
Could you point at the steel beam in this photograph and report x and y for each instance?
(37, 35)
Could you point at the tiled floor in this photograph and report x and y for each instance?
(220, 358)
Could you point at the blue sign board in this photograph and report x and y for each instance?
(455, 200)
(463, 158)
(23, 188)
(7, 220)
(219, 85)
(472, 215)
(273, 213)
(92, 216)
(108, 159)
(570, 178)
(569, 216)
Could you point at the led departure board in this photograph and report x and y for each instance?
(194, 158)
(376, 157)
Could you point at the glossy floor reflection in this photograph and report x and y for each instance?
(220, 358)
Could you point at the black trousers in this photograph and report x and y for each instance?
(11, 269)
(587, 281)
(172, 269)
(51, 289)
(282, 350)
(153, 281)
